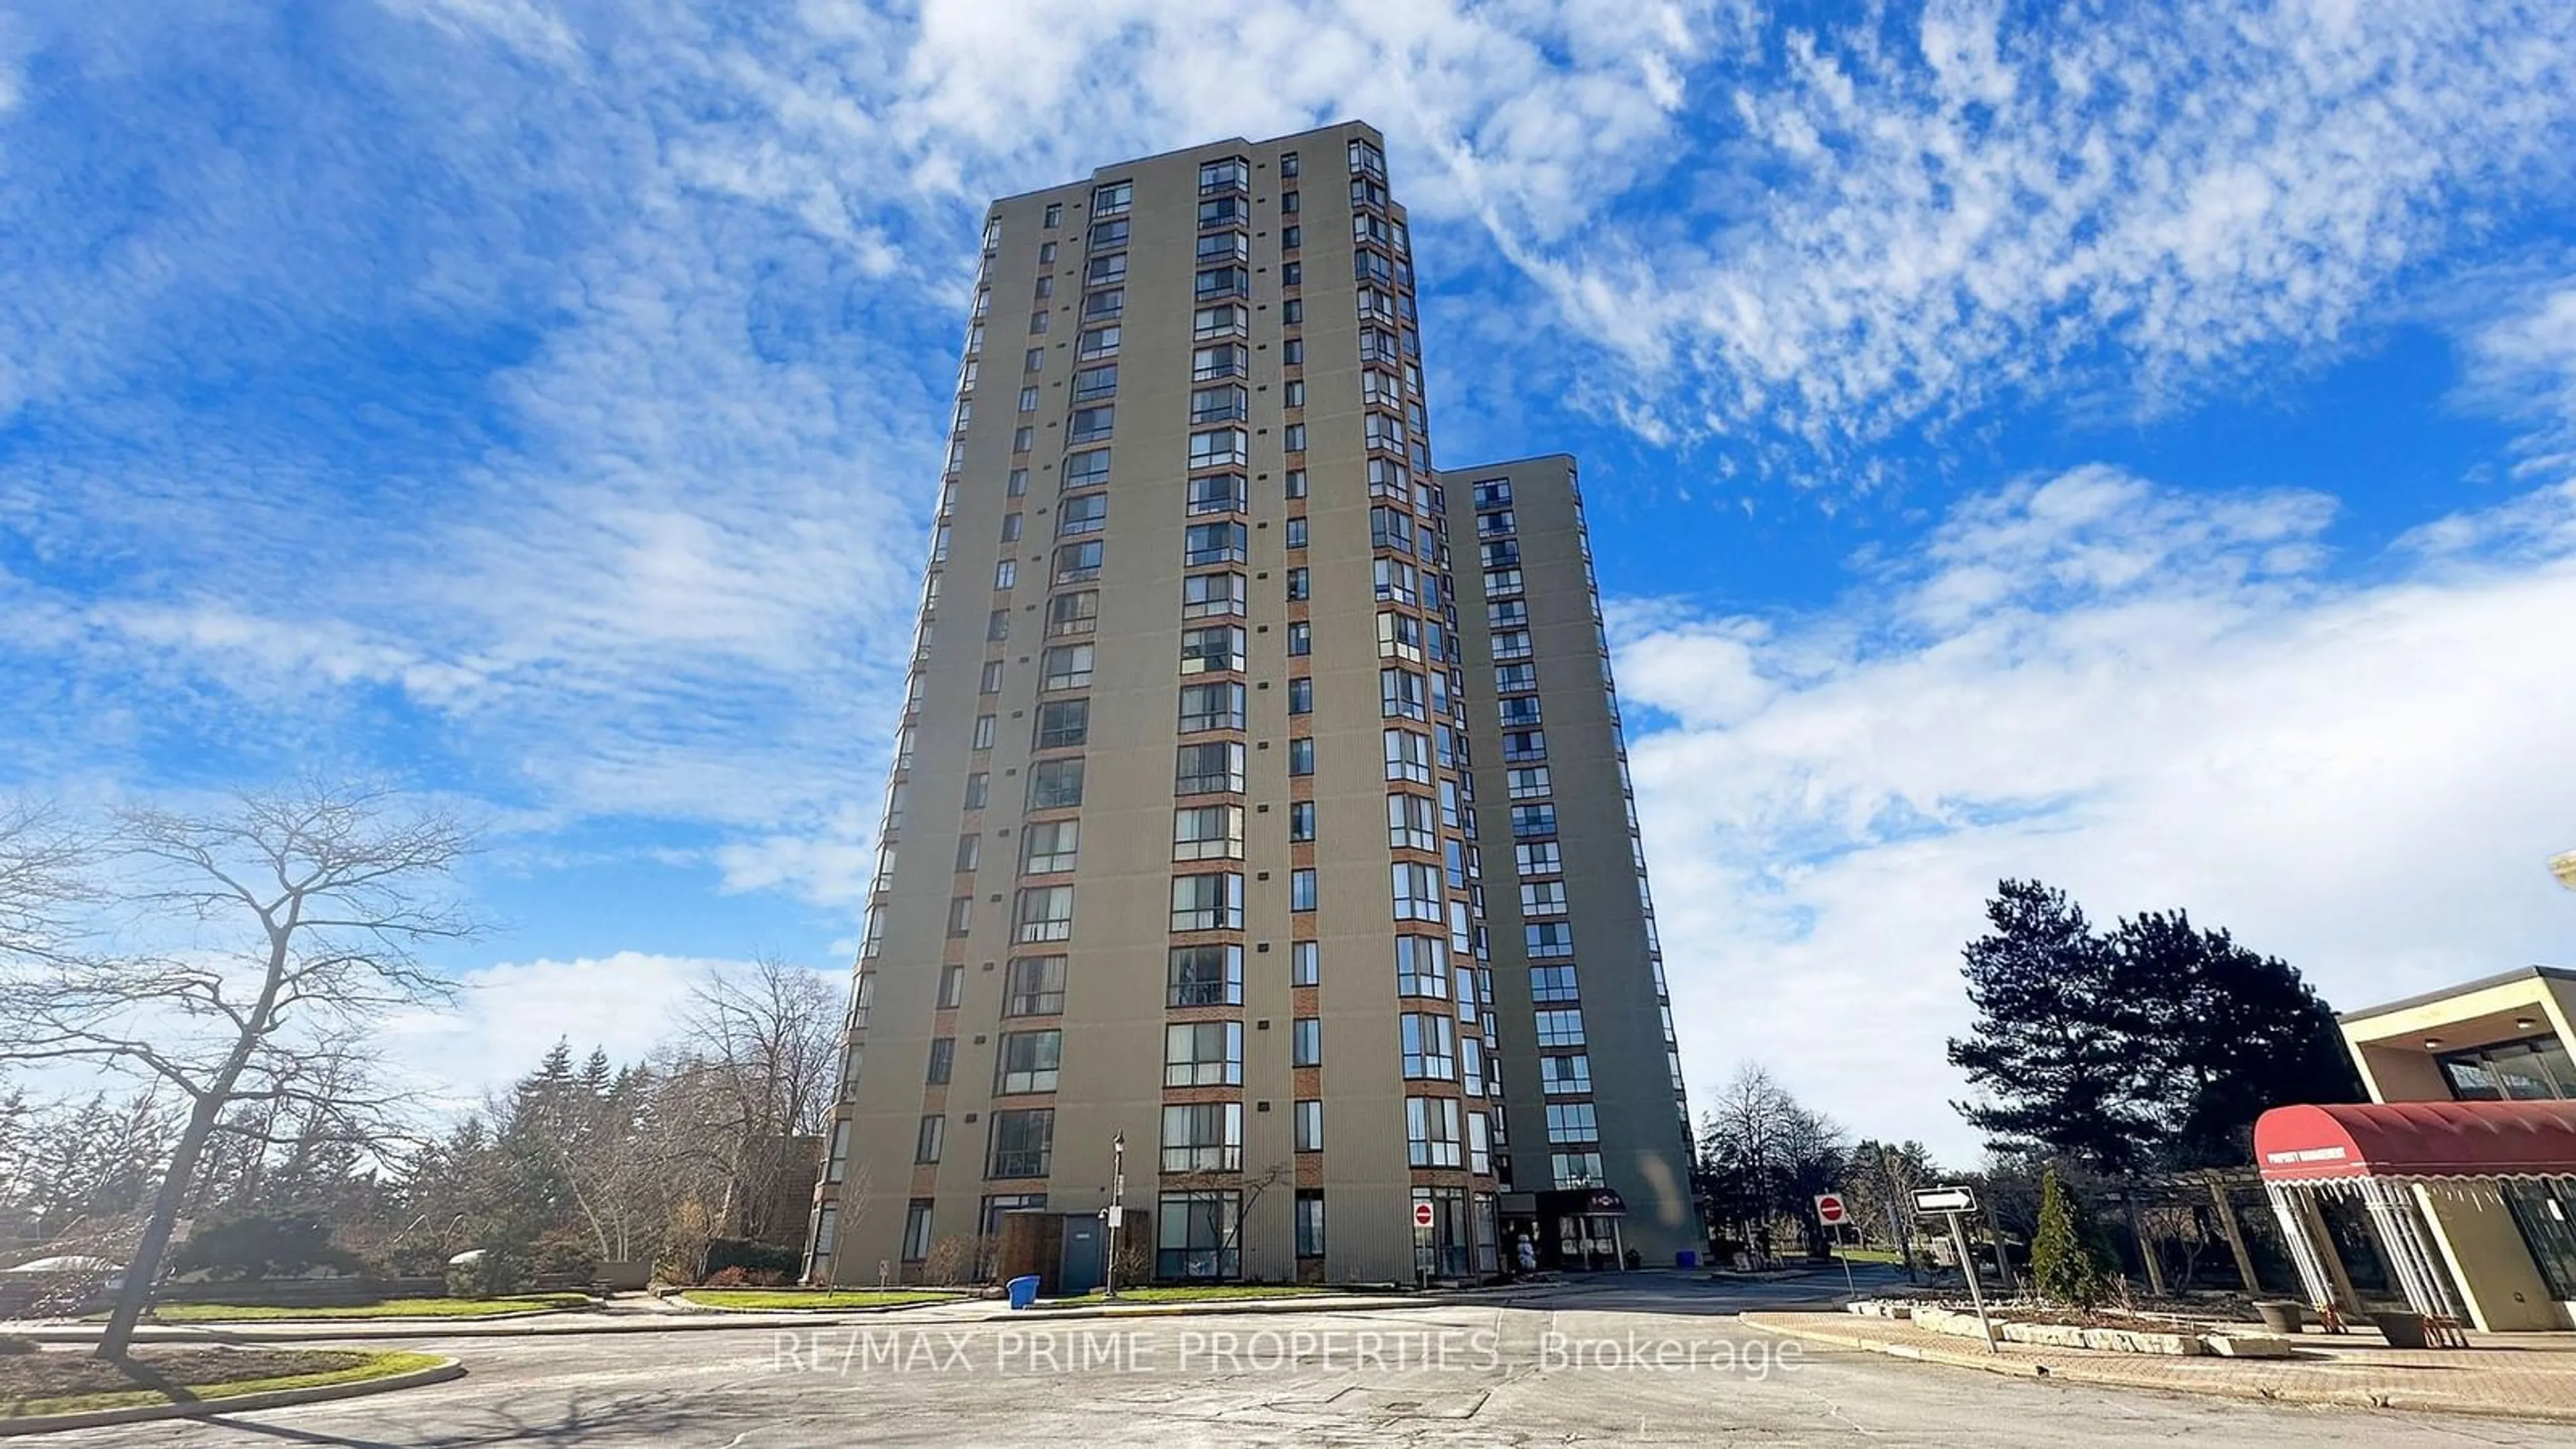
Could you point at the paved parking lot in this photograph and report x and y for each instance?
(1621, 1363)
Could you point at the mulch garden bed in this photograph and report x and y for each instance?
(70, 1372)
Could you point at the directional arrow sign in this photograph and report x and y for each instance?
(1945, 1200)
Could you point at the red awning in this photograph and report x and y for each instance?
(2417, 1139)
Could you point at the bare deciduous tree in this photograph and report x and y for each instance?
(766, 1043)
(307, 906)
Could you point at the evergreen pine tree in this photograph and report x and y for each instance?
(2063, 1265)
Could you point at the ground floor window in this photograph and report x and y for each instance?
(1197, 1235)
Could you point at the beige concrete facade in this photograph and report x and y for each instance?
(1571, 918)
(2400, 1049)
(1250, 468)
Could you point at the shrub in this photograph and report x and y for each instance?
(501, 1269)
(2065, 1266)
(13, 1343)
(753, 1257)
(262, 1245)
(572, 1256)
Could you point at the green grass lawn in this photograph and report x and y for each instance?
(1207, 1292)
(71, 1382)
(815, 1299)
(1870, 1255)
(381, 1308)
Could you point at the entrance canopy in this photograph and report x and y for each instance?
(2311, 1144)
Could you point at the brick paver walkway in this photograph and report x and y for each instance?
(2516, 1375)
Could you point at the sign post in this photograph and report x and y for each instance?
(1831, 1212)
(1422, 1245)
(1956, 1203)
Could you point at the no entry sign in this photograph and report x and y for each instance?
(1422, 1215)
(1829, 1209)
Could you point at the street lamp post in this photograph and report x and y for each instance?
(1117, 1213)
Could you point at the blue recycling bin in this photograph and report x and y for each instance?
(1685, 1258)
(1024, 1291)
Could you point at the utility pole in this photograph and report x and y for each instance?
(1117, 1215)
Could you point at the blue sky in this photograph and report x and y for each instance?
(2124, 447)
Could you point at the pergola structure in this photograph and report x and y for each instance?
(2386, 1153)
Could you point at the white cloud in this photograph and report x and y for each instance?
(2126, 691)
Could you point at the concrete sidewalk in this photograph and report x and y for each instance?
(2529, 1376)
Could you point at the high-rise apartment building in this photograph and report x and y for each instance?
(1186, 847)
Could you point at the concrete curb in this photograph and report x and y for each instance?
(437, 1373)
(2092, 1374)
(409, 1329)
(805, 1314)
(1318, 1303)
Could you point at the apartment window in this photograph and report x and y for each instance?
(1043, 913)
(1215, 648)
(1292, 274)
(1287, 165)
(1227, 320)
(1540, 858)
(1310, 1221)
(1292, 311)
(1295, 440)
(1429, 1045)
(1196, 1235)
(961, 915)
(1572, 1122)
(984, 730)
(1301, 696)
(1038, 321)
(1206, 976)
(1553, 984)
(1480, 1147)
(1072, 613)
(1422, 967)
(1502, 581)
(1088, 513)
(1050, 846)
(1226, 359)
(1203, 1137)
(1023, 1142)
(1296, 533)
(1223, 211)
(1306, 1042)
(1304, 963)
(943, 1056)
(1408, 756)
(1417, 891)
(1543, 898)
(1511, 677)
(1215, 282)
(1399, 693)
(1296, 483)
(1027, 1062)
(916, 1230)
(1399, 636)
(1394, 580)
(1300, 584)
(1217, 706)
(1022, 439)
(1559, 1076)
(997, 625)
(1507, 613)
(1077, 563)
(1215, 543)
(1431, 1131)
(978, 785)
(1054, 216)
(1206, 596)
(1063, 723)
(1301, 822)
(1412, 823)
(1203, 1054)
(1065, 666)
(1091, 424)
(1533, 820)
(1210, 769)
(1084, 470)
(970, 852)
(1520, 745)
(1226, 404)
(1549, 939)
(1035, 986)
(1055, 784)
(1308, 1117)
(1226, 175)
(952, 986)
(1301, 889)
(1115, 197)
(1018, 487)
(1224, 246)
(1292, 353)
(1575, 1169)
(1105, 305)
(1219, 447)
(1105, 271)
(1096, 342)
(1007, 572)
(1046, 250)
(1094, 382)
(1526, 783)
(927, 1140)
(1559, 1028)
(1212, 902)
(1218, 493)
(1207, 832)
